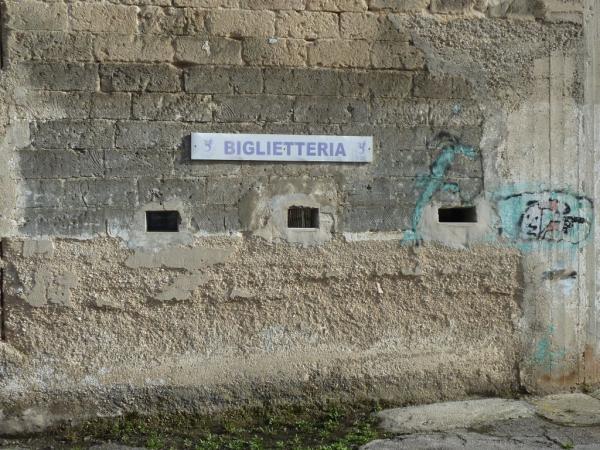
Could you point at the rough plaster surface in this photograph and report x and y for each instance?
(102, 317)
(275, 317)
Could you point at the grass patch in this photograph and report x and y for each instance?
(330, 426)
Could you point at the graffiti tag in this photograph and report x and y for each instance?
(550, 216)
(437, 180)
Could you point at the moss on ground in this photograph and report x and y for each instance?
(330, 426)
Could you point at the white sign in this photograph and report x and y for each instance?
(281, 147)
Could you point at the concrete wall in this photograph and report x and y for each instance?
(470, 103)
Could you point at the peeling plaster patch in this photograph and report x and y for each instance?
(47, 288)
(374, 236)
(39, 294)
(458, 234)
(179, 258)
(60, 291)
(107, 303)
(133, 229)
(264, 211)
(182, 287)
(240, 294)
(42, 247)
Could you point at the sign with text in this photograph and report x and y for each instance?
(281, 147)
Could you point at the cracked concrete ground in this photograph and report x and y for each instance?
(556, 421)
(524, 433)
(560, 421)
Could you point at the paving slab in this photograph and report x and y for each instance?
(458, 441)
(452, 415)
(569, 409)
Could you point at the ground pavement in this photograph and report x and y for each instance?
(567, 421)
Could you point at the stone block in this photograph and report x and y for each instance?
(339, 53)
(399, 5)
(60, 163)
(468, 190)
(224, 80)
(223, 190)
(159, 106)
(92, 193)
(201, 50)
(378, 83)
(463, 167)
(391, 139)
(133, 48)
(171, 21)
(440, 86)
(307, 25)
(391, 162)
(371, 26)
(46, 105)
(58, 76)
(73, 134)
(133, 163)
(40, 194)
(379, 218)
(59, 222)
(380, 191)
(240, 23)
(35, 15)
(48, 46)
(465, 135)
(103, 18)
(403, 113)
(302, 81)
(190, 190)
(336, 5)
(140, 135)
(455, 114)
(140, 78)
(330, 110)
(115, 105)
(274, 52)
(185, 166)
(214, 219)
(396, 55)
(261, 108)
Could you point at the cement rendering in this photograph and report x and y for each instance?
(483, 108)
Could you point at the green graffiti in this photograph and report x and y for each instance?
(436, 181)
(544, 355)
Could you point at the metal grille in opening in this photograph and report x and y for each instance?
(303, 217)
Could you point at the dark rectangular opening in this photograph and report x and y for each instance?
(463, 214)
(162, 221)
(303, 217)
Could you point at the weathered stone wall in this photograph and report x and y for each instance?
(100, 98)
